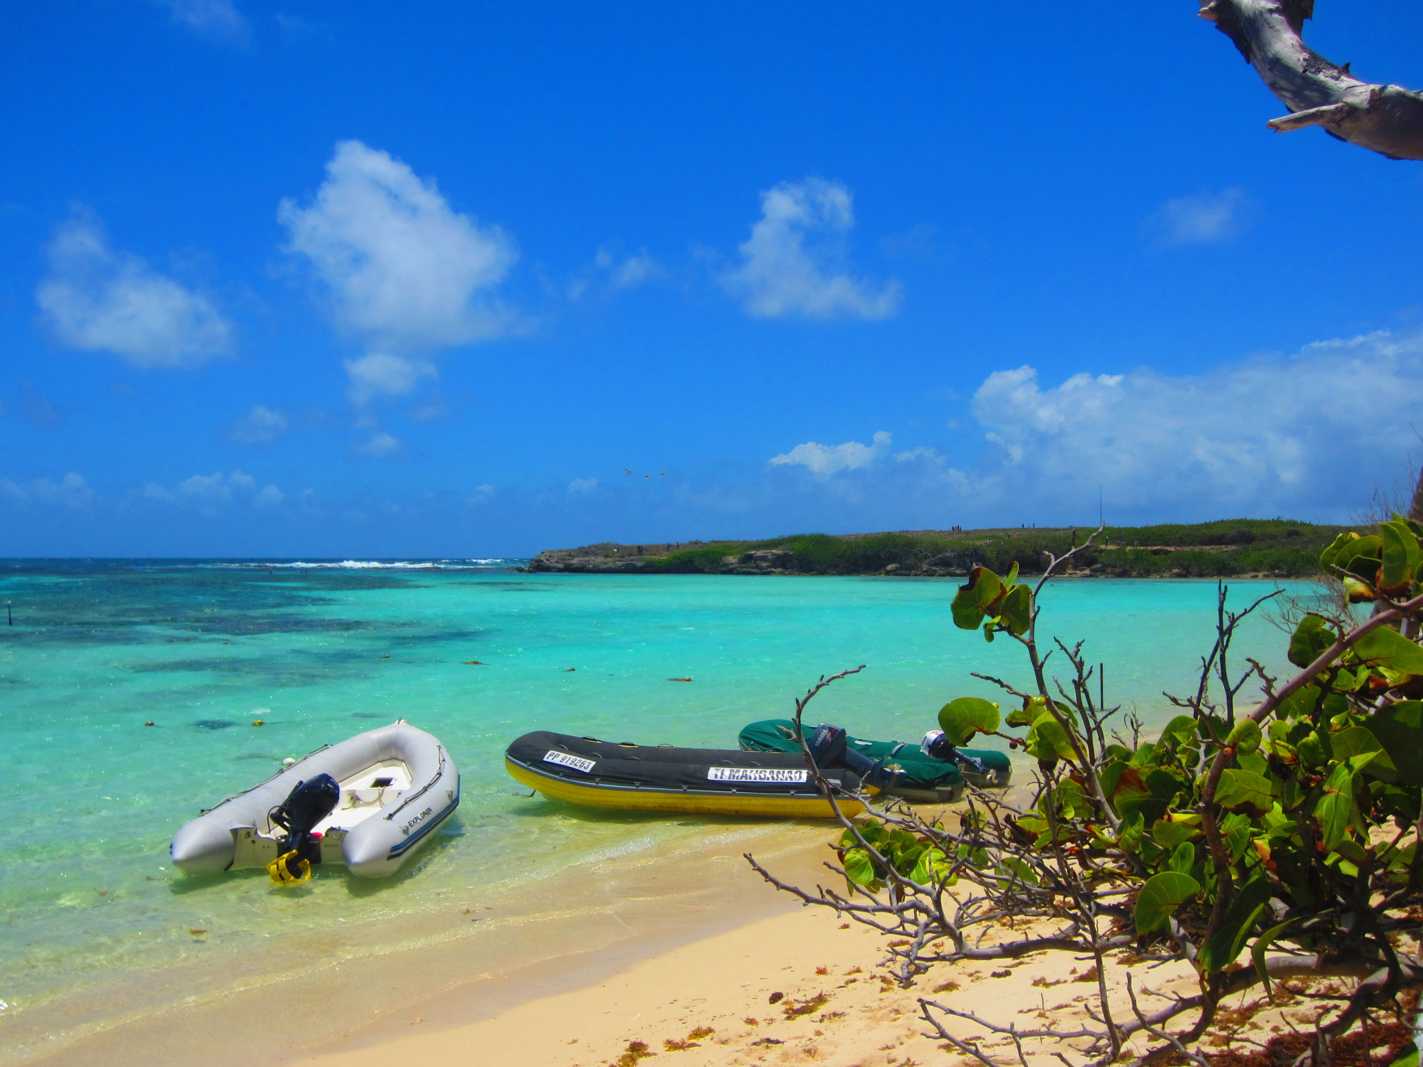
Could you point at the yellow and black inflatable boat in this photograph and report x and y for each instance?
(654, 778)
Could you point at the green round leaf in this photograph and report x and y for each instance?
(1016, 610)
(1311, 749)
(1161, 895)
(1334, 555)
(971, 601)
(1169, 833)
(1360, 592)
(859, 867)
(1245, 910)
(1311, 637)
(1398, 728)
(1362, 748)
(1180, 731)
(1336, 812)
(1389, 648)
(1401, 556)
(1361, 557)
(1244, 791)
(1183, 857)
(1048, 741)
(932, 867)
(1246, 737)
(962, 718)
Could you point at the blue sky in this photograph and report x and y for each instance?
(456, 280)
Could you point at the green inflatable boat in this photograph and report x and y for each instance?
(916, 775)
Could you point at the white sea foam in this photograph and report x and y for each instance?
(365, 565)
(471, 563)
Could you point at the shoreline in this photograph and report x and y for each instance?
(693, 954)
(461, 965)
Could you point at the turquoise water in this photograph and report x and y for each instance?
(202, 649)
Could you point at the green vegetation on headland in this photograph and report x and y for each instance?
(1278, 548)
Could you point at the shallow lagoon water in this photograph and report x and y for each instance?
(318, 653)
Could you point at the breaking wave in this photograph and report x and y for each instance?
(479, 563)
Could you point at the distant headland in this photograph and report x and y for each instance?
(1274, 548)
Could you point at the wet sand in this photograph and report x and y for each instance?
(477, 959)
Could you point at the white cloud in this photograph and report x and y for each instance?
(380, 374)
(269, 496)
(295, 28)
(431, 411)
(582, 486)
(216, 19)
(635, 270)
(402, 267)
(610, 273)
(1311, 434)
(260, 426)
(1339, 344)
(70, 491)
(154, 491)
(921, 454)
(825, 460)
(934, 474)
(480, 494)
(205, 489)
(211, 494)
(379, 444)
(781, 274)
(97, 299)
(1209, 218)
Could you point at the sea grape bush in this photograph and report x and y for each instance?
(1252, 839)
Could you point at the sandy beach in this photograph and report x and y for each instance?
(800, 986)
(694, 961)
(468, 965)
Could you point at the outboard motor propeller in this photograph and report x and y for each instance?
(311, 801)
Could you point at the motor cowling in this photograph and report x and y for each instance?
(831, 748)
(306, 805)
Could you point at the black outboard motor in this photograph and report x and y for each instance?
(311, 801)
(939, 747)
(831, 748)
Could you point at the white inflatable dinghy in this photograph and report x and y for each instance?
(397, 784)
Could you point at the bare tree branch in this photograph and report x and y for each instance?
(1387, 119)
(1058, 870)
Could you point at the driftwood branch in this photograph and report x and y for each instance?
(1387, 119)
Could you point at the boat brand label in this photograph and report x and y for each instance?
(416, 821)
(563, 759)
(755, 774)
